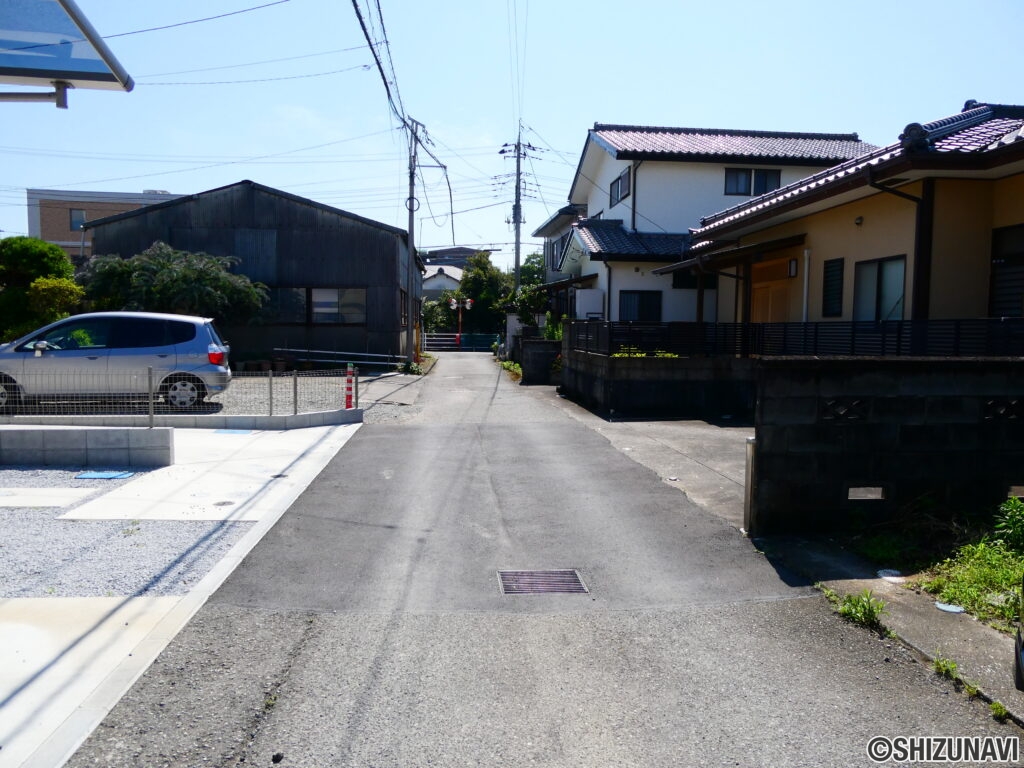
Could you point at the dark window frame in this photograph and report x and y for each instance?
(643, 308)
(766, 180)
(76, 213)
(308, 315)
(752, 182)
(619, 189)
(832, 285)
(737, 181)
(877, 263)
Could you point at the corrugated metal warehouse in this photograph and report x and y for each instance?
(337, 281)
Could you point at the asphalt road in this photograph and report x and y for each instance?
(368, 627)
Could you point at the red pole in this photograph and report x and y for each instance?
(348, 387)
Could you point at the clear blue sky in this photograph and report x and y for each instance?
(471, 71)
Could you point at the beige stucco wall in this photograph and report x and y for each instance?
(1008, 202)
(961, 249)
(966, 212)
(887, 229)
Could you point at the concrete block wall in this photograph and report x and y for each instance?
(948, 433)
(536, 359)
(685, 387)
(87, 447)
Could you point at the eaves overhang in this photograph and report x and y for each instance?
(724, 259)
(569, 281)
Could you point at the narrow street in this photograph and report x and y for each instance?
(368, 628)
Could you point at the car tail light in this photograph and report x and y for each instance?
(216, 354)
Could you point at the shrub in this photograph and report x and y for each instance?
(515, 371)
(1010, 523)
(410, 367)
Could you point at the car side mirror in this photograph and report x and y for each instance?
(40, 347)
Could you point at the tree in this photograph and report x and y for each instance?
(532, 271)
(162, 279)
(487, 286)
(26, 303)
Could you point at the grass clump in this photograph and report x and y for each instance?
(410, 367)
(946, 668)
(999, 712)
(515, 371)
(983, 578)
(864, 609)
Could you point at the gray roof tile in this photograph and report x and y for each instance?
(625, 141)
(607, 238)
(978, 129)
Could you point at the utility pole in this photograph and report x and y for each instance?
(517, 208)
(412, 204)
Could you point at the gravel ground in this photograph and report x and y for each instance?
(44, 556)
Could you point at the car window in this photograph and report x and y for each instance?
(91, 333)
(138, 332)
(215, 335)
(181, 332)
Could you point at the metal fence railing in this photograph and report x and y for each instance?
(250, 393)
(1000, 337)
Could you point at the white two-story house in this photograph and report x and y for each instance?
(637, 193)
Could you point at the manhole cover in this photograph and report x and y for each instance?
(541, 582)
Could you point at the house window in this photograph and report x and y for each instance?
(684, 278)
(619, 189)
(747, 181)
(338, 305)
(878, 289)
(644, 306)
(832, 289)
(404, 299)
(77, 218)
(766, 180)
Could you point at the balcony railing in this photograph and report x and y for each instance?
(905, 338)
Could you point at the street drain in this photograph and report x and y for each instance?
(565, 581)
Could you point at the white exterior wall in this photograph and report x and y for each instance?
(673, 197)
(677, 304)
(589, 301)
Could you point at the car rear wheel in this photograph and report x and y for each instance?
(184, 392)
(10, 395)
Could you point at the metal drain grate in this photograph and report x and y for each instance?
(566, 581)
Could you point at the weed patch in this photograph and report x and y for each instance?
(864, 609)
(982, 578)
(515, 371)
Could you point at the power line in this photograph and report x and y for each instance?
(268, 79)
(151, 29)
(253, 63)
(196, 21)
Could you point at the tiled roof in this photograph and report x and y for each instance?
(632, 141)
(978, 129)
(606, 238)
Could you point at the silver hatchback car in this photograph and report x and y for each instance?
(110, 353)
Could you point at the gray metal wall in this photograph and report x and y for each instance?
(283, 242)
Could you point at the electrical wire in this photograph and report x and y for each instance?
(252, 63)
(363, 67)
(151, 29)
